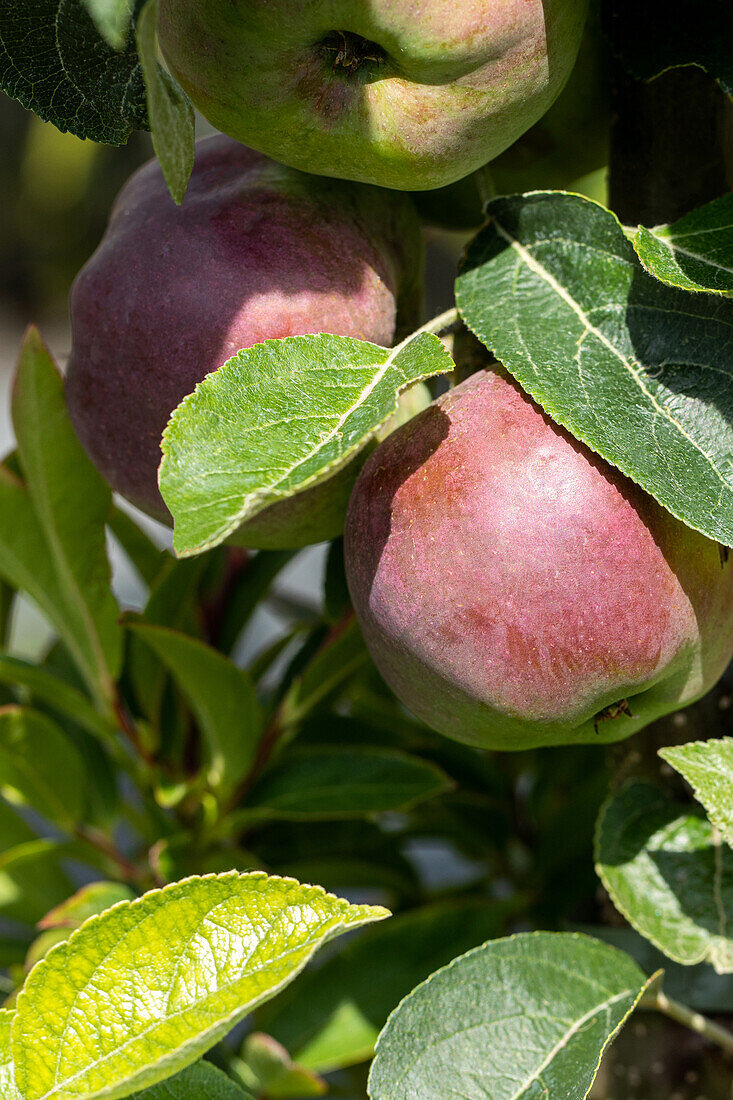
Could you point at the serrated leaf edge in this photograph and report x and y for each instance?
(506, 939)
(548, 406)
(151, 1075)
(250, 506)
(607, 887)
(690, 286)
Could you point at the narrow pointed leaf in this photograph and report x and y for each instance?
(72, 502)
(87, 902)
(8, 1091)
(639, 371)
(145, 989)
(669, 874)
(222, 697)
(57, 693)
(516, 1019)
(708, 768)
(694, 253)
(112, 19)
(278, 418)
(344, 782)
(144, 555)
(170, 111)
(40, 767)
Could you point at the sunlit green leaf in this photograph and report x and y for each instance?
(708, 768)
(8, 1091)
(87, 902)
(694, 253)
(669, 874)
(112, 19)
(146, 988)
(278, 418)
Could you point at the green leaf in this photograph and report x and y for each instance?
(708, 768)
(694, 253)
(669, 874)
(31, 879)
(277, 418)
(170, 111)
(144, 555)
(146, 988)
(54, 61)
(332, 665)
(89, 901)
(56, 692)
(662, 34)
(72, 502)
(518, 1018)
(40, 767)
(112, 20)
(221, 696)
(344, 782)
(639, 371)
(8, 1091)
(333, 1016)
(251, 586)
(202, 1081)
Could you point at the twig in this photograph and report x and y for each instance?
(693, 1020)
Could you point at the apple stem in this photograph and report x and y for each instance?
(436, 325)
(693, 1020)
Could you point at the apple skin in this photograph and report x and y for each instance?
(256, 251)
(407, 94)
(516, 591)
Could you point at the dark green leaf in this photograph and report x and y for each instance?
(250, 588)
(31, 879)
(170, 111)
(55, 62)
(333, 1016)
(515, 1019)
(56, 692)
(669, 875)
(344, 782)
(144, 555)
(335, 589)
(328, 669)
(639, 371)
(201, 1081)
(221, 696)
(40, 767)
(260, 406)
(72, 504)
(661, 34)
(694, 253)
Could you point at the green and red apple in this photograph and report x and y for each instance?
(408, 94)
(517, 591)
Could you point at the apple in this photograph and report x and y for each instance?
(256, 251)
(516, 591)
(405, 94)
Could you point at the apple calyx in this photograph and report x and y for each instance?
(348, 52)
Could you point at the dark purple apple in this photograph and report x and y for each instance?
(256, 251)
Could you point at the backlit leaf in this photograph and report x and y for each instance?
(708, 768)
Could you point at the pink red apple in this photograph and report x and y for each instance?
(515, 590)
